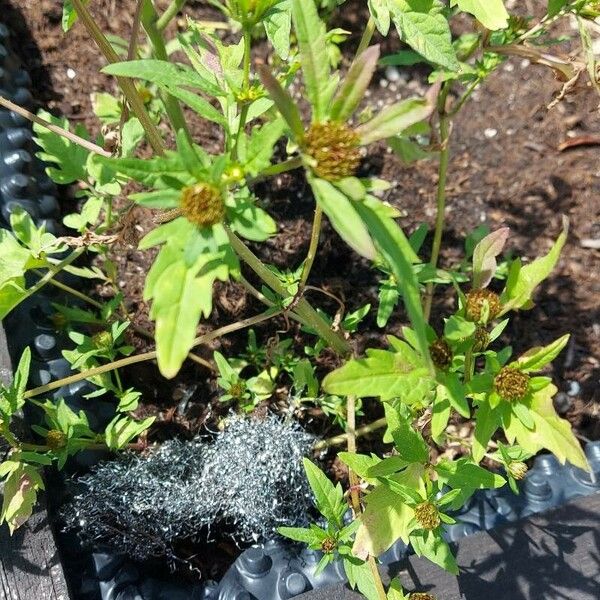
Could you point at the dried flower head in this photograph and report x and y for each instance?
(511, 384)
(328, 545)
(55, 439)
(334, 148)
(427, 515)
(421, 596)
(476, 299)
(441, 354)
(481, 339)
(517, 469)
(202, 204)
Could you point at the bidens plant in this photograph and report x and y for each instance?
(208, 211)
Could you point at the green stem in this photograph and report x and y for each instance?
(138, 358)
(245, 87)
(169, 14)
(312, 248)
(149, 21)
(468, 364)
(52, 272)
(441, 191)
(72, 291)
(341, 439)
(128, 87)
(308, 315)
(367, 36)
(283, 167)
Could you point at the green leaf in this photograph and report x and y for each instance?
(122, 430)
(355, 85)
(181, 294)
(381, 374)
(259, 150)
(388, 466)
(484, 257)
(522, 281)
(394, 119)
(440, 413)
(14, 257)
(361, 464)
(537, 358)
(422, 25)
(467, 477)
(433, 546)
(344, 218)
(164, 74)
(394, 247)
(381, 15)
(396, 592)
(549, 431)
(486, 424)
(385, 519)
(555, 6)
(329, 498)
(20, 495)
(286, 106)
(69, 15)
(68, 157)
(457, 328)
(490, 13)
(11, 398)
(312, 46)
(456, 393)
(278, 26)
(298, 534)
(388, 300)
(360, 577)
(250, 221)
(410, 445)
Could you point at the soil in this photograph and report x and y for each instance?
(507, 169)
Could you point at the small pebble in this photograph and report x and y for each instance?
(392, 74)
(490, 133)
(574, 388)
(562, 403)
(71, 74)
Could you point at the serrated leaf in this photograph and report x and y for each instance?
(385, 519)
(11, 398)
(260, 147)
(422, 25)
(492, 14)
(435, 548)
(410, 445)
(381, 374)
(278, 26)
(394, 119)
(20, 495)
(361, 464)
(522, 281)
(440, 413)
(298, 534)
(344, 218)
(549, 431)
(486, 424)
(355, 84)
(467, 477)
(68, 158)
(484, 257)
(360, 577)
(329, 498)
(537, 358)
(122, 430)
(381, 15)
(312, 46)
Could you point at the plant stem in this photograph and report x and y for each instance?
(173, 109)
(341, 439)
(169, 14)
(128, 87)
(277, 169)
(54, 128)
(354, 486)
(53, 270)
(245, 87)
(307, 314)
(468, 364)
(72, 291)
(441, 191)
(367, 36)
(131, 360)
(312, 248)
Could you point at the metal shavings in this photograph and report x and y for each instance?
(248, 480)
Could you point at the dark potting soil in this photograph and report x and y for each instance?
(506, 170)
